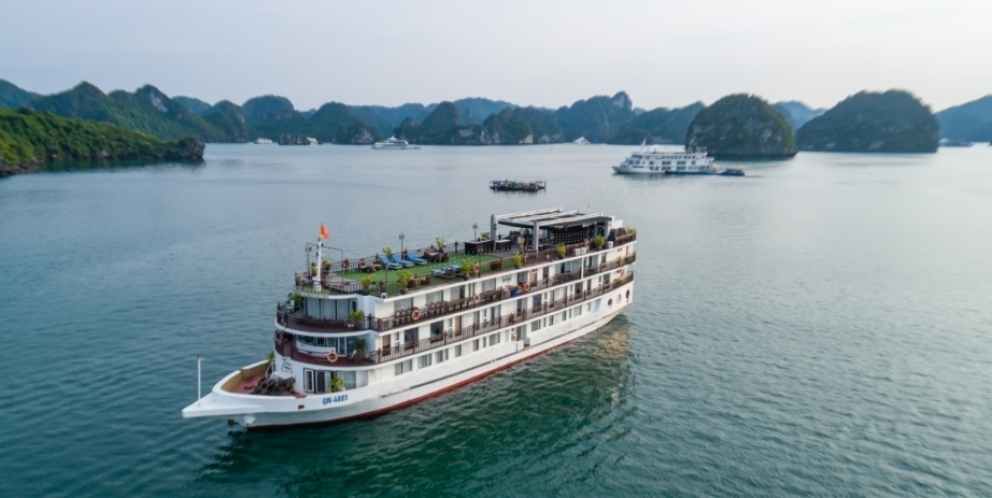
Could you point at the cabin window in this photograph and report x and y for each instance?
(458, 350)
(475, 345)
(435, 297)
(349, 379)
(410, 335)
(489, 285)
(494, 339)
(437, 328)
(308, 380)
(425, 360)
(535, 325)
(441, 356)
(403, 304)
(404, 367)
(578, 310)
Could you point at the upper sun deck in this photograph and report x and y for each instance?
(534, 238)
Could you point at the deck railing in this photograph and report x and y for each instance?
(452, 336)
(332, 283)
(440, 309)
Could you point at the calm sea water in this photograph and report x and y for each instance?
(820, 327)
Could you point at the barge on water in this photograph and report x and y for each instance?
(367, 336)
(518, 186)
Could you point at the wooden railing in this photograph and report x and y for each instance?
(452, 336)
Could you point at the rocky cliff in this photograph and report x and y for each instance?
(893, 121)
(742, 126)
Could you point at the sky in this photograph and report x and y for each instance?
(543, 53)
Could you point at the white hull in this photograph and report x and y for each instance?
(397, 392)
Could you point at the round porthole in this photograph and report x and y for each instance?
(628, 293)
(609, 303)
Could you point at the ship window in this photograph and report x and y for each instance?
(489, 285)
(441, 356)
(425, 360)
(666, 163)
(349, 379)
(494, 339)
(404, 367)
(403, 304)
(475, 345)
(435, 297)
(458, 348)
(628, 293)
(680, 168)
(564, 315)
(578, 310)
(410, 335)
(535, 325)
(680, 162)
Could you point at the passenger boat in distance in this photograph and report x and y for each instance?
(358, 338)
(518, 186)
(654, 161)
(394, 143)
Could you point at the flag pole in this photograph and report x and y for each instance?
(199, 383)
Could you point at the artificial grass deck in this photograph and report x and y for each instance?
(380, 276)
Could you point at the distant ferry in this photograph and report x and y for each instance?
(518, 186)
(581, 141)
(262, 141)
(654, 161)
(394, 143)
(346, 346)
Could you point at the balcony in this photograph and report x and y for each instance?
(295, 320)
(449, 336)
(344, 277)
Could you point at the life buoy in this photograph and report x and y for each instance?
(526, 287)
(476, 299)
(332, 356)
(476, 268)
(415, 315)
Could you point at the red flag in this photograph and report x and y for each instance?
(323, 233)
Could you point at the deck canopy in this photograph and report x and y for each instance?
(553, 220)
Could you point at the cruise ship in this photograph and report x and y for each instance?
(362, 337)
(656, 161)
(394, 143)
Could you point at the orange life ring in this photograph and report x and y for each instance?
(526, 287)
(415, 315)
(476, 268)
(476, 298)
(332, 356)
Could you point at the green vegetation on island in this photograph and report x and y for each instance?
(29, 138)
(742, 126)
(968, 122)
(659, 126)
(13, 96)
(596, 119)
(893, 121)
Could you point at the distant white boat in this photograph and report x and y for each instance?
(262, 141)
(394, 143)
(581, 141)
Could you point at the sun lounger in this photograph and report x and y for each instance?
(416, 260)
(389, 265)
(397, 260)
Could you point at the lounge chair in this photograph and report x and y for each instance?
(399, 261)
(416, 260)
(363, 267)
(432, 255)
(388, 265)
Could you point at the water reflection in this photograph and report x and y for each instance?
(110, 166)
(546, 418)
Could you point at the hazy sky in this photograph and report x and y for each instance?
(528, 52)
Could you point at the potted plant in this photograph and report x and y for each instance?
(465, 269)
(337, 384)
(388, 251)
(561, 251)
(366, 284)
(485, 235)
(599, 241)
(325, 265)
(296, 299)
(356, 318)
(404, 277)
(440, 244)
(518, 260)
